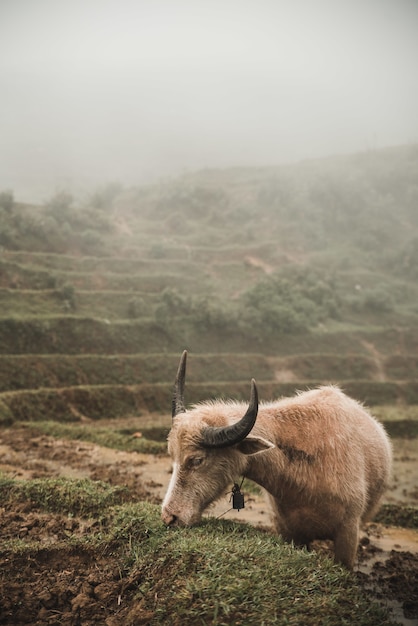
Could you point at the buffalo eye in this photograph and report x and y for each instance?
(194, 462)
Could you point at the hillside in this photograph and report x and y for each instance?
(295, 275)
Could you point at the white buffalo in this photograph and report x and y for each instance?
(322, 458)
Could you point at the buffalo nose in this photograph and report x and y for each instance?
(168, 518)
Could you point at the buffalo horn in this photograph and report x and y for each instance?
(178, 396)
(225, 436)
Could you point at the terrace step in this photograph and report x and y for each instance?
(80, 403)
(34, 371)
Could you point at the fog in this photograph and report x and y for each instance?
(134, 91)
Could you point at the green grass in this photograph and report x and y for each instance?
(101, 402)
(72, 404)
(218, 573)
(153, 278)
(395, 413)
(399, 421)
(222, 573)
(151, 442)
(111, 305)
(402, 429)
(85, 498)
(75, 334)
(31, 371)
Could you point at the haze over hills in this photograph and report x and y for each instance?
(309, 268)
(136, 91)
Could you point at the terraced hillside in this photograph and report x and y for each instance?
(295, 276)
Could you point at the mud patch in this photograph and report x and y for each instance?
(44, 528)
(388, 569)
(397, 578)
(62, 586)
(25, 454)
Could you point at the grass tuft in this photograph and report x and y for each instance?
(83, 497)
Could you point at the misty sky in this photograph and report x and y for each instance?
(93, 91)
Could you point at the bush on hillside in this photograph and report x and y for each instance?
(407, 260)
(90, 240)
(172, 304)
(209, 313)
(205, 313)
(157, 251)
(135, 308)
(288, 304)
(61, 206)
(378, 300)
(66, 294)
(6, 200)
(104, 197)
(7, 234)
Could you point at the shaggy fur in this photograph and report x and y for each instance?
(323, 459)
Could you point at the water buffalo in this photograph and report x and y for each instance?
(322, 458)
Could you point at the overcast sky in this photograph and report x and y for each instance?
(93, 91)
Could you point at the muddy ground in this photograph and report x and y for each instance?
(87, 588)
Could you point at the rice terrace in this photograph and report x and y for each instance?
(296, 276)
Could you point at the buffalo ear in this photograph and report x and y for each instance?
(254, 445)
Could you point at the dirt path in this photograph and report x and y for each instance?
(388, 557)
(258, 263)
(374, 353)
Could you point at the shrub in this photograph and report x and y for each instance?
(104, 197)
(6, 200)
(172, 303)
(210, 313)
(91, 239)
(7, 236)
(290, 304)
(67, 294)
(407, 262)
(157, 251)
(378, 300)
(60, 206)
(135, 307)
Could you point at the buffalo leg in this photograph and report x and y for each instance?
(346, 542)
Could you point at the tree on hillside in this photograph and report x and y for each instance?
(61, 206)
(288, 304)
(104, 197)
(6, 200)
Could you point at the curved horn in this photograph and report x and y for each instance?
(178, 396)
(229, 435)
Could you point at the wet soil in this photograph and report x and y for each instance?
(59, 584)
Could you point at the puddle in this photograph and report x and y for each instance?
(385, 539)
(388, 568)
